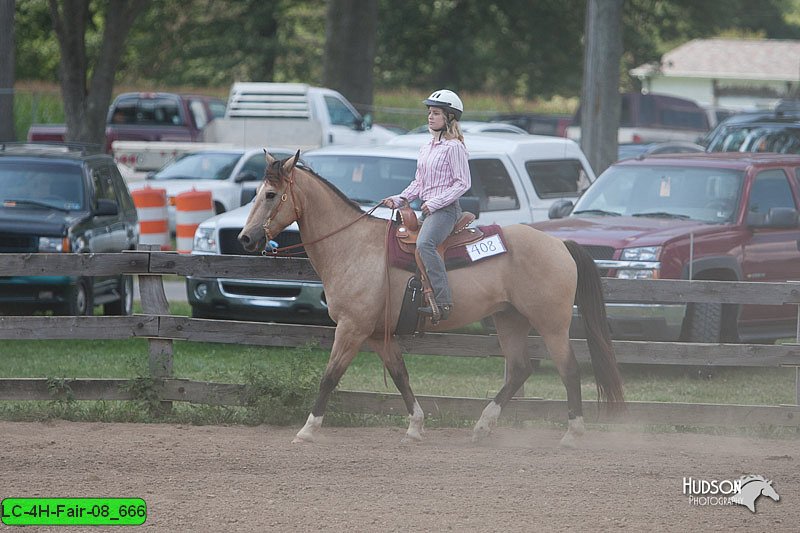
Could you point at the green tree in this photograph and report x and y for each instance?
(87, 79)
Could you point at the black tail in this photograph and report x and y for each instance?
(592, 305)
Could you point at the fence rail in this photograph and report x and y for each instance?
(162, 329)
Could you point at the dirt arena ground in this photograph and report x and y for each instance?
(253, 479)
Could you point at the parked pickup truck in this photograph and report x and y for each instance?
(147, 117)
(720, 216)
(515, 178)
(284, 115)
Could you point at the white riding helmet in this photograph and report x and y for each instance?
(447, 100)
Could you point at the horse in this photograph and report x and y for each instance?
(752, 488)
(532, 286)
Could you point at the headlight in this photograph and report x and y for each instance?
(630, 273)
(204, 240)
(645, 253)
(53, 244)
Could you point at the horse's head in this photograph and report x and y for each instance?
(768, 491)
(274, 205)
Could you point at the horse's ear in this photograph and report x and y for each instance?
(291, 162)
(268, 157)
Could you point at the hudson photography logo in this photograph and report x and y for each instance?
(743, 491)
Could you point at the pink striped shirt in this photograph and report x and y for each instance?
(442, 174)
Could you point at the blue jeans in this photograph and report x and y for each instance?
(435, 229)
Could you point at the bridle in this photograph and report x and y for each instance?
(284, 249)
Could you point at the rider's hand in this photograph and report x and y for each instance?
(425, 209)
(389, 202)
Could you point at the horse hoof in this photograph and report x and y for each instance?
(569, 441)
(411, 438)
(480, 434)
(303, 439)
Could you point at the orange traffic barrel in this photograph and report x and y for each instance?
(191, 208)
(151, 207)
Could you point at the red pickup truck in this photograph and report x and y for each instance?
(148, 117)
(707, 216)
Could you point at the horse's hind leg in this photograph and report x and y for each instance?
(512, 332)
(347, 340)
(561, 353)
(393, 361)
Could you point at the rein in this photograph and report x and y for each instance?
(284, 249)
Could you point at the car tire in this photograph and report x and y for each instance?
(703, 323)
(80, 301)
(123, 306)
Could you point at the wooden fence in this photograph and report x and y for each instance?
(162, 329)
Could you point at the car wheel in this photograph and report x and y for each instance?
(123, 306)
(79, 300)
(703, 323)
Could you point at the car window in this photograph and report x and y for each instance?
(555, 179)
(162, 111)
(198, 111)
(770, 189)
(200, 165)
(492, 185)
(217, 108)
(257, 165)
(103, 185)
(123, 195)
(757, 138)
(52, 183)
(365, 179)
(340, 114)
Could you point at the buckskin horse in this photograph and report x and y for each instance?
(533, 285)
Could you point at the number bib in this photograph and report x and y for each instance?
(486, 247)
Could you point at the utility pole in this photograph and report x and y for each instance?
(600, 99)
(7, 70)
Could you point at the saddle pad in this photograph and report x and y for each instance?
(453, 258)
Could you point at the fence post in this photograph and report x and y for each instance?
(154, 302)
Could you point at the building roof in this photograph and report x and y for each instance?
(749, 59)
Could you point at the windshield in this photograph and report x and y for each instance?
(364, 179)
(48, 184)
(205, 165)
(704, 194)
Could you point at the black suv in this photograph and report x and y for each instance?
(64, 199)
(759, 131)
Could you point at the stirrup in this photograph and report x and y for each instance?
(442, 314)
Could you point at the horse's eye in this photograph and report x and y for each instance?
(270, 195)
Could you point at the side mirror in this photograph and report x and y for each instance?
(471, 204)
(246, 175)
(106, 208)
(150, 175)
(560, 208)
(367, 121)
(247, 195)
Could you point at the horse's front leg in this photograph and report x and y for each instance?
(392, 359)
(346, 342)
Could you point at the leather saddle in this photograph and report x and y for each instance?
(407, 231)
